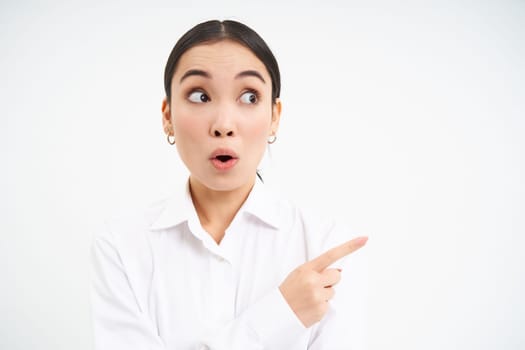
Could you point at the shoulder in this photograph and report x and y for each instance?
(319, 227)
(287, 210)
(129, 223)
(315, 224)
(313, 218)
(127, 233)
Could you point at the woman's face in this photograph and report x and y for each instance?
(221, 113)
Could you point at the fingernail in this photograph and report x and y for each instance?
(361, 240)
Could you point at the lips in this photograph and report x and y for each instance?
(223, 158)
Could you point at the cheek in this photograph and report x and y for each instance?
(255, 137)
(187, 125)
(257, 132)
(259, 126)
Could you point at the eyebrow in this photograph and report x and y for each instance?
(196, 72)
(201, 73)
(250, 73)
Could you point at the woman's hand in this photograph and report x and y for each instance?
(309, 287)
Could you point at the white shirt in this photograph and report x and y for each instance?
(159, 281)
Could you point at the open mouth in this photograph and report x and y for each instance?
(224, 158)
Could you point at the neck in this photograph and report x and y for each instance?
(216, 209)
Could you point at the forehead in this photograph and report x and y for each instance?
(222, 56)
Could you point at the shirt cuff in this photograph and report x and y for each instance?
(274, 321)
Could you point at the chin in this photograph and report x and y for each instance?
(225, 182)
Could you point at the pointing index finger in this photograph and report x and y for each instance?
(332, 255)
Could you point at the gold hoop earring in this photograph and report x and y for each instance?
(272, 139)
(171, 141)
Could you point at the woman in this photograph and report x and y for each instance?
(223, 263)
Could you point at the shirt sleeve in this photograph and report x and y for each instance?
(270, 323)
(118, 321)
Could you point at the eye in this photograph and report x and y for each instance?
(198, 97)
(250, 97)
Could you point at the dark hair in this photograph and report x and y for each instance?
(213, 31)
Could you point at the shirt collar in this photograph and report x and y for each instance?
(263, 204)
(178, 208)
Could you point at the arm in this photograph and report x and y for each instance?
(302, 300)
(118, 321)
(121, 323)
(267, 324)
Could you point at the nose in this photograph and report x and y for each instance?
(223, 124)
(218, 133)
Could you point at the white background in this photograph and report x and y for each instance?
(407, 119)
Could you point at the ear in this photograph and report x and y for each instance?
(276, 116)
(166, 117)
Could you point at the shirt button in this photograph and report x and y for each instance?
(204, 347)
